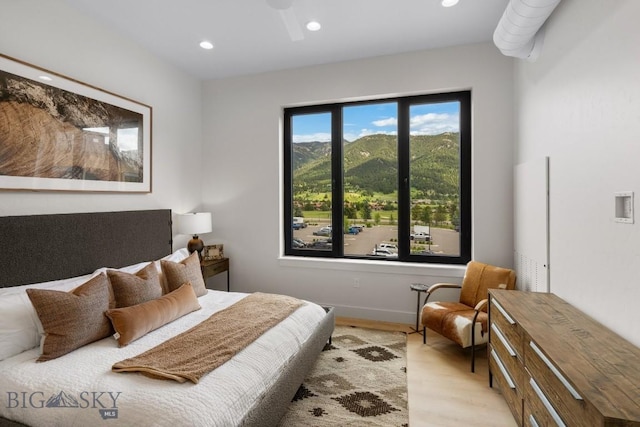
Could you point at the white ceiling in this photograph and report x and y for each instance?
(251, 37)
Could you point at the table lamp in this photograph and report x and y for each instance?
(194, 224)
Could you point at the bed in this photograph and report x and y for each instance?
(253, 388)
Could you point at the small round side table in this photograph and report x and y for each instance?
(419, 288)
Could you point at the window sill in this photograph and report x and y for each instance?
(373, 266)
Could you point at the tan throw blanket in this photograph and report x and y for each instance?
(199, 350)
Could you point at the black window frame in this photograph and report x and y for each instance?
(403, 155)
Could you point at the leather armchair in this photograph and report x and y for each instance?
(465, 321)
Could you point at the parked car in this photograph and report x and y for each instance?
(298, 243)
(324, 231)
(298, 223)
(353, 230)
(392, 247)
(359, 227)
(321, 244)
(420, 237)
(385, 253)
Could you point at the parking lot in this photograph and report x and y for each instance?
(445, 241)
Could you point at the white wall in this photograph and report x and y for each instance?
(240, 171)
(579, 104)
(51, 35)
(243, 155)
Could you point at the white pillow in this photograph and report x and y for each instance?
(18, 330)
(177, 256)
(20, 327)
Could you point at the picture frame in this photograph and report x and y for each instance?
(212, 252)
(59, 134)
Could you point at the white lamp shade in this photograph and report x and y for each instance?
(194, 223)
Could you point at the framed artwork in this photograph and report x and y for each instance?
(59, 134)
(212, 252)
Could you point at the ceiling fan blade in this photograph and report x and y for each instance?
(291, 23)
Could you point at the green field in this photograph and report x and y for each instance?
(325, 216)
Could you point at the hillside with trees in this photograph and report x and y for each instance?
(370, 165)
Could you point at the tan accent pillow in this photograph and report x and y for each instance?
(72, 319)
(187, 270)
(131, 323)
(131, 289)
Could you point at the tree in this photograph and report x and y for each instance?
(452, 208)
(366, 209)
(376, 218)
(297, 211)
(350, 212)
(416, 212)
(392, 220)
(441, 214)
(426, 215)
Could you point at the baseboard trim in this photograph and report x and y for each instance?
(374, 314)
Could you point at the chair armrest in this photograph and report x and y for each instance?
(437, 286)
(480, 305)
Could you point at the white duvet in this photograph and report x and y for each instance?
(85, 392)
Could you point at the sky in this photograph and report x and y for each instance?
(368, 119)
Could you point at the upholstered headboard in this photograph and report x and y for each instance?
(39, 248)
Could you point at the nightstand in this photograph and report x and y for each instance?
(215, 266)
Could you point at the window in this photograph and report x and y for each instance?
(386, 179)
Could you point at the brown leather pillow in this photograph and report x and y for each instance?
(187, 270)
(131, 323)
(72, 319)
(131, 289)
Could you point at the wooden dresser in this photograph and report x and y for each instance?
(557, 366)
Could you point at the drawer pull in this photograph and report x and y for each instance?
(503, 311)
(555, 371)
(503, 340)
(505, 374)
(546, 403)
(532, 421)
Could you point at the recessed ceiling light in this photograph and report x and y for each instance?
(449, 3)
(313, 26)
(206, 45)
(45, 78)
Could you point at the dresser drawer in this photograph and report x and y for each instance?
(506, 383)
(508, 326)
(557, 389)
(506, 352)
(529, 419)
(538, 407)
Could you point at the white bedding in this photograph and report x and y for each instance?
(220, 399)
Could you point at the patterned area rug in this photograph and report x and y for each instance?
(360, 379)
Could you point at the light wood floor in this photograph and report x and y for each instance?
(442, 390)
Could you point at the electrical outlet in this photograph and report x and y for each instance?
(356, 282)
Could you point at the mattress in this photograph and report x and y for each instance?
(80, 389)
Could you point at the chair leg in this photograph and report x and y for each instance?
(473, 357)
(424, 335)
(473, 342)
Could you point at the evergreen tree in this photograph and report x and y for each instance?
(366, 209)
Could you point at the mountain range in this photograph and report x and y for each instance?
(370, 164)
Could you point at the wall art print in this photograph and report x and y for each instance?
(59, 134)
